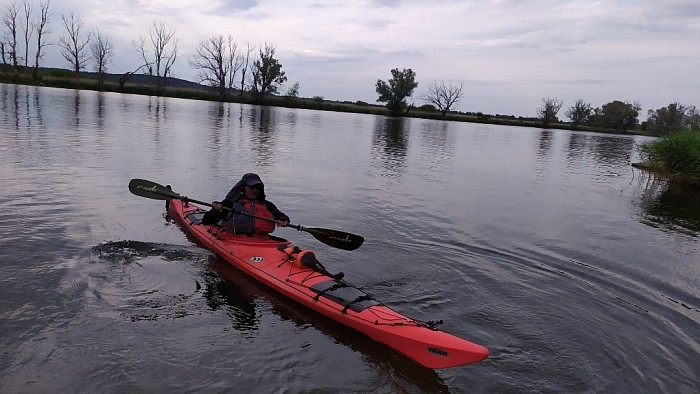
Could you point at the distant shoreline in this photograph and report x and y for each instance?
(59, 78)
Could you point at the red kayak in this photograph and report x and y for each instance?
(297, 274)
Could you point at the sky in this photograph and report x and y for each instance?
(507, 54)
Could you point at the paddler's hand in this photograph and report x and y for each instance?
(216, 205)
(282, 223)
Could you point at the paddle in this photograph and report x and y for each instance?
(334, 238)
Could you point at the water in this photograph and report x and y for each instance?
(579, 273)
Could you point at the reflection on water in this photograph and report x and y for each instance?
(545, 143)
(675, 208)
(608, 151)
(543, 152)
(475, 224)
(221, 292)
(157, 109)
(137, 295)
(390, 145)
(100, 110)
(576, 148)
(240, 293)
(437, 148)
(76, 108)
(10, 105)
(613, 150)
(263, 134)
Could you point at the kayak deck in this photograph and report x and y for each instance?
(265, 259)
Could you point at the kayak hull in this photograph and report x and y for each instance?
(265, 259)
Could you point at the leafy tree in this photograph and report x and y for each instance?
(617, 116)
(395, 92)
(443, 97)
(674, 117)
(293, 92)
(267, 73)
(547, 113)
(428, 108)
(579, 113)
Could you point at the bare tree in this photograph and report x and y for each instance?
(235, 61)
(266, 72)
(443, 97)
(102, 52)
(127, 75)
(41, 29)
(10, 21)
(164, 52)
(73, 46)
(548, 111)
(27, 33)
(245, 65)
(217, 60)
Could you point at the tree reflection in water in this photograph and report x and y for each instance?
(672, 207)
(390, 145)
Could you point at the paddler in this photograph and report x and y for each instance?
(246, 196)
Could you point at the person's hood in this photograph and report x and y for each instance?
(248, 179)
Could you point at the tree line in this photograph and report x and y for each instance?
(219, 61)
(623, 116)
(254, 70)
(616, 115)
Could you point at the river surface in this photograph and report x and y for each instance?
(578, 272)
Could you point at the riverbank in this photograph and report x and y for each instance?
(59, 78)
(662, 172)
(675, 157)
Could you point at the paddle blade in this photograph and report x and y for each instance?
(336, 239)
(152, 190)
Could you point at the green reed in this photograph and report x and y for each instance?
(677, 154)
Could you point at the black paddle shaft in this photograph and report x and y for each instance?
(334, 238)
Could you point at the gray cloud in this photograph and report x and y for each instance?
(228, 7)
(509, 52)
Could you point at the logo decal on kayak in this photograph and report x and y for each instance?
(438, 351)
(256, 259)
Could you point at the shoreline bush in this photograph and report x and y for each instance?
(676, 156)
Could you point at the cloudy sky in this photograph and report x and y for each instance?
(509, 54)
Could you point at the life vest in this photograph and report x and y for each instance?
(242, 224)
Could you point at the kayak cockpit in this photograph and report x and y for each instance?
(194, 218)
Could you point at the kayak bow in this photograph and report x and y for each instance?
(276, 263)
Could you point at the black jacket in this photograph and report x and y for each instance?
(213, 216)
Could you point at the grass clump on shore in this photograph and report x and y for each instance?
(676, 156)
